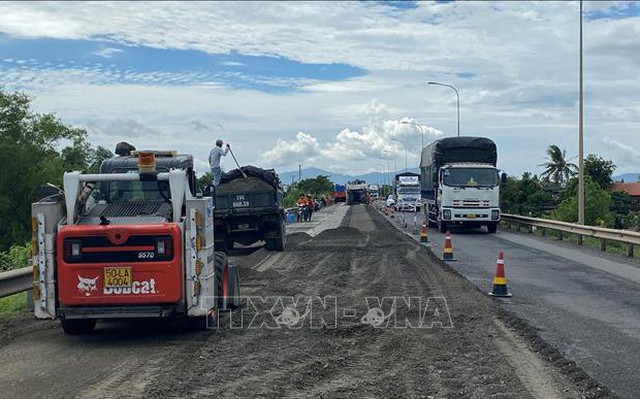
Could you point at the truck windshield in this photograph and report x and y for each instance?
(470, 177)
(408, 190)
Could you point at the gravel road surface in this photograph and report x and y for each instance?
(315, 324)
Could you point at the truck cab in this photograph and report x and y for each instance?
(468, 195)
(460, 183)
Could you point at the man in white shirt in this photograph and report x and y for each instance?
(214, 161)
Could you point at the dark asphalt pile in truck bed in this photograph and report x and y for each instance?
(243, 185)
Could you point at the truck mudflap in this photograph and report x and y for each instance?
(117, 265)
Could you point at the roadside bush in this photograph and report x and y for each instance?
(16, 257)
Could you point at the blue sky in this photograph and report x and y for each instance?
(136, 64)
(328, 84)
(621, 11)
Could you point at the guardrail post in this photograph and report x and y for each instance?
(630, 250)
(580, 240)
(560, 235)
(543, 232)
(603, 244)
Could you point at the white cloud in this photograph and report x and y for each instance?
(108, 52)
(524, 93)
(377, 140)
(625, 154)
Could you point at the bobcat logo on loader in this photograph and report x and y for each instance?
(87, 285)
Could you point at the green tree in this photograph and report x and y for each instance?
(596, 208)
(557, 168)
(526, 196)
(204, 181)
(317, 186)
(600, 170)
(96, 157)
(28, 154)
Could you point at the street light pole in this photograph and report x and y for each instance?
(457, 98)
(421, 131)
(406, 151)
(581, 138)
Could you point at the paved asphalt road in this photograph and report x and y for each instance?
(584, 302)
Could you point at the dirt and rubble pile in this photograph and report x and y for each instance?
(348, 357)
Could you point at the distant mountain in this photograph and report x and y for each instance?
(370, 178)
(627, 178)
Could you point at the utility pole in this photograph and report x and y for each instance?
(299, 173)
(581, 138)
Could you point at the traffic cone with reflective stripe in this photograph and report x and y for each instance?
(499, 279)
(447, 251)
(424, 234)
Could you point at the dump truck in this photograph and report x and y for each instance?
(132, 241)
(460, 183)
(249, 208)
(340, 193)
(356, 192)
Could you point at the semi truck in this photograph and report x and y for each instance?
(356, 192)
(132, 241)
(249, 208)
(407, 191)
(340, 193)
(460, 183)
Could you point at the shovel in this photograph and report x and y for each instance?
(239, 168)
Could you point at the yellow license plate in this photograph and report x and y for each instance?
(117, 277)
(471, 216)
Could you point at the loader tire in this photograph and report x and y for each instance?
(78, 326)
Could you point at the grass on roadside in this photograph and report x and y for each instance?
(14, 304)
(617, 248)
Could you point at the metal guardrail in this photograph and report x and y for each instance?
(630, 238)
(16, 281)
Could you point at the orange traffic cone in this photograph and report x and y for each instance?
(447, 251)
(499, 279)
(424, 234)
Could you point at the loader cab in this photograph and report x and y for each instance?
(150, 190)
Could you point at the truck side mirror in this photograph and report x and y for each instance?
(503, 177)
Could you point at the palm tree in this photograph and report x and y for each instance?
(557, 169)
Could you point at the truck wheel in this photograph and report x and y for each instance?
(78, 326)
(280, 242)
(442, 226)
(492, 228)
(233, 301)
(222, 277)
